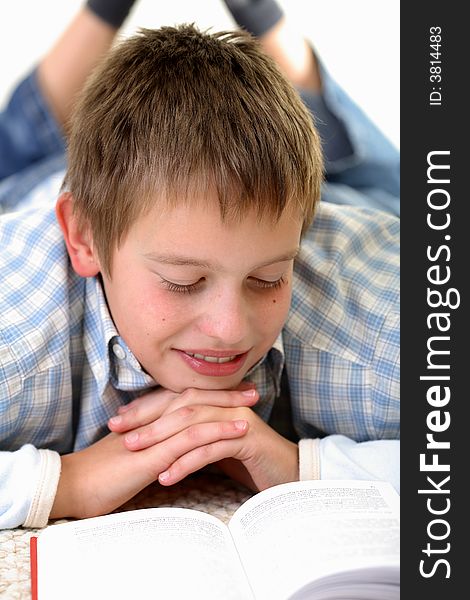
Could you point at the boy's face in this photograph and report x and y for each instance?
(199, 301)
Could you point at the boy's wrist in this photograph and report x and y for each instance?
(67, 499)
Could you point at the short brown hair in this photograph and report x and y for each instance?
(175, 108)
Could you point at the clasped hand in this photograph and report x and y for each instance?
(198, 427)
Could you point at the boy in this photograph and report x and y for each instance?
(193, 170)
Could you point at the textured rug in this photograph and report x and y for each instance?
(207, 492)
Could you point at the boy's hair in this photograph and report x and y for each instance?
(175, 111)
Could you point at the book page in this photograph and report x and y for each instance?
(293, 533)
(148, 553)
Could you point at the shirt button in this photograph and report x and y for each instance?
(118, 351)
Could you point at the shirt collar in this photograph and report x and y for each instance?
(109, 357)
(266, 375)
(275, 356)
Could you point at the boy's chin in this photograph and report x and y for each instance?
(208, 385)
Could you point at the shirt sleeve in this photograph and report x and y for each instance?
(338, 457)
(29, 479)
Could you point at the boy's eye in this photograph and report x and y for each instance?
(180, 288)
(271, 285)
(193, 287)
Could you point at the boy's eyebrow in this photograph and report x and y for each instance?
(177, 260)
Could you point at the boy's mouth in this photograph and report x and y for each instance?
(213, 359)
(214, 363)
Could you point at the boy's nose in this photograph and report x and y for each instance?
(226, 319)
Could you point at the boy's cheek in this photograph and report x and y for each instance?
(277, 307)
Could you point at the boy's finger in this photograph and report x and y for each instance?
(203, 435)
(141, 411)
(186, 418)
(149, 408)
(220, 398)
(245, 385)
(197, 459)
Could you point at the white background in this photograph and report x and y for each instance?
(359, 41)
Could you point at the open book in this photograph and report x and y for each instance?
(313, 539)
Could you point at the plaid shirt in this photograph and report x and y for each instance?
(64, 369)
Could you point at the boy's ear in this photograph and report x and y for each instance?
(79, 242)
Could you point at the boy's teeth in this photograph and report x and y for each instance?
(213, 359)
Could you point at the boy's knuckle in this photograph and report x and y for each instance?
(189, 394)
(152, 431)
(133, 413)
(232, 398)
(206, 452)
(225, 428)
(193, 434)
(185, 412)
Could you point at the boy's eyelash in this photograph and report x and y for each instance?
(181, 289)
(270, 285)
(192, 287)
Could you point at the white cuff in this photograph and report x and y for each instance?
(45, 489)
(309, 459)
(343, 458)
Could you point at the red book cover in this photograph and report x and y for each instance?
(33, 561)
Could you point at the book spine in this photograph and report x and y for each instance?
(33, 561)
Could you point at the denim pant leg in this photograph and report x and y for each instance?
(29, 132)
(32, 145)
(362, 167)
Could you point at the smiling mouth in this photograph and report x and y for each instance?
(213, 359)
(214, 363)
